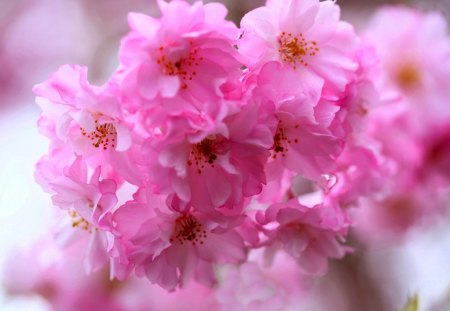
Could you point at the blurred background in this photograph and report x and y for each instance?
(38, 36)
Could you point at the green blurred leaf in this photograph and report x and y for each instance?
(412, 304)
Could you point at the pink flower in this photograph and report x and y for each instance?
(212, 161)
(414, 49)
(87, 201)
(407, 206)
(301, 142)
(360, 172)
(82, 120)
(414, 165)
(309, 234)
(256, 286)
(91, 199)
(188, 53)
(361, 96)
(305, 36)
(170, 245)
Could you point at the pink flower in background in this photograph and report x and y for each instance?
(388, 219)
(311, 235)
(306, 36)
(414, 48)
(406, 129)
(400, 187)
(416, 182)
(425, 160)
(26, 60)
(255, 286)
(245, 287)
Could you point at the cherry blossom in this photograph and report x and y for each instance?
(311, 235)
(171, 244)
(305, 36)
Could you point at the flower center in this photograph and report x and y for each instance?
(294, 49)
(296, 227)
(204, 152)
(401, 210)
(79, 222)
(104, 135)
(281, 141)
(294, 232)
(184, 67)
(188, 229)
(437, 155)
(408, 76)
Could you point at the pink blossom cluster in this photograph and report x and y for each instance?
(212, 143)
